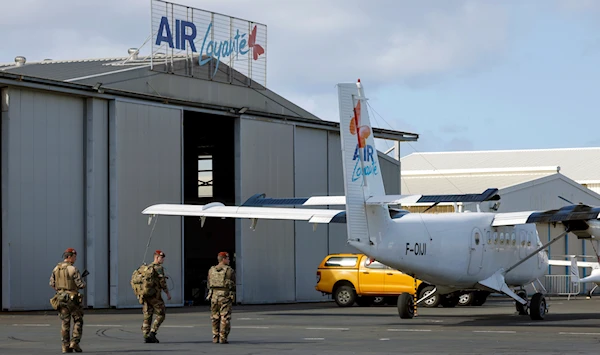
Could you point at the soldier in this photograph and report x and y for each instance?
(155, 302)
(66, 280)
(221, 283)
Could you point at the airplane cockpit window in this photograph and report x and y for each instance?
(341, 261)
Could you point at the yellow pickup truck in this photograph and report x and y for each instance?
(355, 278)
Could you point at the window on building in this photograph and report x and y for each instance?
(205, 176)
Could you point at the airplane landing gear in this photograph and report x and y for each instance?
(522, 308)
(538, 307)
(406, 306)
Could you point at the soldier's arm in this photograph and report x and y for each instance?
(232, 278)
(53, 280)
(78, 279)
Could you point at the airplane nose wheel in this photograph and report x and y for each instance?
(406, 306)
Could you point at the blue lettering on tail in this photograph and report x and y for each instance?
(370, 167)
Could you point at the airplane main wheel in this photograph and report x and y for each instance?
(466, 299)
(521, 308)
(406, 306)
(432, 301)
(537, 309)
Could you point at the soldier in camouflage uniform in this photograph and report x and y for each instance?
(221, 283)
(66, 280)
(155, 303)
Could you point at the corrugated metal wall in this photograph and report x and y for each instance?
(145, 168)
(42, 192)
(310, 178)
(96, 204)
(267, 254)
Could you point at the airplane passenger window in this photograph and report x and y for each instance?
(477, 238)
(489, 237)
(523, 237)
(514, 238)
(501, 238)
(495, 237)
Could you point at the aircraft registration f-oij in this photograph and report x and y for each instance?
(453, 251)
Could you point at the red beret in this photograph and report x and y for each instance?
(224, 254)
(71, 250)
(160, 253)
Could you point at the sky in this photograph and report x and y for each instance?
(463, 74)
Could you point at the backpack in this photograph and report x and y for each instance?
(143, 282)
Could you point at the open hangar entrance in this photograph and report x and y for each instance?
(208, 176)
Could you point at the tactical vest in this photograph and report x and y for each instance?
(62, 279)
(218, 277)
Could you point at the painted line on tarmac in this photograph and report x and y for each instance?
(250, 318)
(178, 326)
(408, 330)
(328, 328)
(249, 327)
(495, 331)
(314, 338)
(568, 333)
(384, 339)
(31, 325)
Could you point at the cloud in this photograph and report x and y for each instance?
(578, 5)
(311, 44)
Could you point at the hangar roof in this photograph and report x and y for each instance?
(474, 171)
(124, 76)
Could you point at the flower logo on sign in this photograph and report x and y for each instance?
(362, 132)
(257, 49)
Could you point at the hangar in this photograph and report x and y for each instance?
(88, 144)
(536, 179)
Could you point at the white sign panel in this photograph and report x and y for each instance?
(221, 45)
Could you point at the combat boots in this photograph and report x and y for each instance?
(151, 338)
(75, 347)
(66, 348)
(215, 339)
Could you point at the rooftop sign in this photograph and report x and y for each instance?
(216, 45)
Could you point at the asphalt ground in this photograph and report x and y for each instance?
(571, 327)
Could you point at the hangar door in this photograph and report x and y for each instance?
(144, 169)
(42, 192)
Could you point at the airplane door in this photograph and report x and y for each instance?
(476, 252)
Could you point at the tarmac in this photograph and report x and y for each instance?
(571, 327)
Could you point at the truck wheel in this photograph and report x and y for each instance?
(406, 306)
(344, 296)
(479, 298)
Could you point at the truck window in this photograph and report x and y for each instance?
(374, 264)
(341, 261)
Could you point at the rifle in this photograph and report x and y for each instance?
(85, 273)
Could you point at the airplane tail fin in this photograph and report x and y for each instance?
(362, 172)
(574, 271)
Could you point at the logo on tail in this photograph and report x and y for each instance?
(367, 151)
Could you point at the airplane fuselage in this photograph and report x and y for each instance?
(457, 250)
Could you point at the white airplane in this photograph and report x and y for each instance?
(489, 252)
(594, 277)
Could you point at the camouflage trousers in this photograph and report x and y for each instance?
(220, 314)
(67, 311)
(150, 306)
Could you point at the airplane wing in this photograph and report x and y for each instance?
(568, 263)
(217, 209)
(259, 200)
(580, 219)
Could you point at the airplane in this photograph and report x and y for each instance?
(594, 277)
(456, 252)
